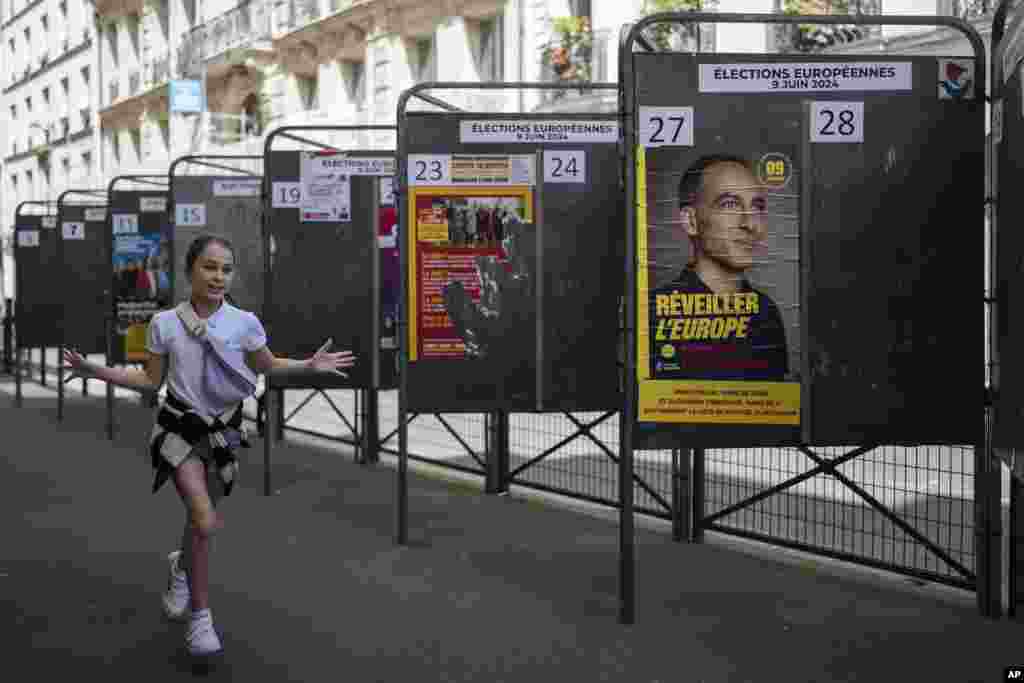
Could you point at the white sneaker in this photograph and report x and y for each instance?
(200, 638)
(176, 598)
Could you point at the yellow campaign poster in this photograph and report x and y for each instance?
(457, 258)
(718, 287)
(135, 342)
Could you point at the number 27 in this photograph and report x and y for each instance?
(659, 123)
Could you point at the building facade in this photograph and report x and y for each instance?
(48, 118)
(87, 83)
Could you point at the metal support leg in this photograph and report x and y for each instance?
(697, 486)
(371, 427)
(681, 494)
(8, 335)
(1015, 579)
(270, 404)
(17, 377)
(60, 390)
(42, 365)
(987, 533)
(110, 406)
(358, 425)
(279, 422)
(261, 413)
(492, 482)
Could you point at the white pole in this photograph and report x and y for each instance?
(204, 117)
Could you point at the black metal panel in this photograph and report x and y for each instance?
(85, 271)
(323, 277)
(1009, 323)
(238, 218)
(883, 319)
(579, 228)
(36, 286)
(896, 260)
(128, 289)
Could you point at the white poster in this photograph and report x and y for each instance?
(326, 190)
(28, 238)
(247, 187)
(125, 223)
(342, 163)
(286, 195)
(73, 230)
(192, 215)
(806, 77)
(538, 131)
(152, 204)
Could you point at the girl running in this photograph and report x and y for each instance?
(211, 353)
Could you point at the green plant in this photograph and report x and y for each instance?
(817, 37)
(661, 34)
(567, 54)
(42, 154)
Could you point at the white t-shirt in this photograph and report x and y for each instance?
(240, 331)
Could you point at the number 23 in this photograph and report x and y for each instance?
(435, 170)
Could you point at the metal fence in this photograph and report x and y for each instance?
(916, 517)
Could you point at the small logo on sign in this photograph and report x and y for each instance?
(668, 351)
(956, 79)
(774, 170)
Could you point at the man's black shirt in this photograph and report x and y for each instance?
(740, 337)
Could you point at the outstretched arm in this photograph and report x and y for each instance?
(263, 361)
(145, 381)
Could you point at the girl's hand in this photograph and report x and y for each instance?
(322, 361)
(77, 365)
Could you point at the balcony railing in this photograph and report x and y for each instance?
(239, 27)
(972, 9)
(157, 72)
(134, 83)
(297, 13)
(584, 66)
(114, 89)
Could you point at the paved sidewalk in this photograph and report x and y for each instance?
(309, 586)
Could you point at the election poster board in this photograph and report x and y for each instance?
(796, 225)
(230, 206)
(141, 257)
(513, 242)
(1008, 139)
(37, 299)
(84, 254)
(332, 248)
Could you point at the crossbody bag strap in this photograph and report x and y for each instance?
(196, 326)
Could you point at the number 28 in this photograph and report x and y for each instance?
(845, 126)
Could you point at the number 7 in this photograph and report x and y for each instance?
(680, 120)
